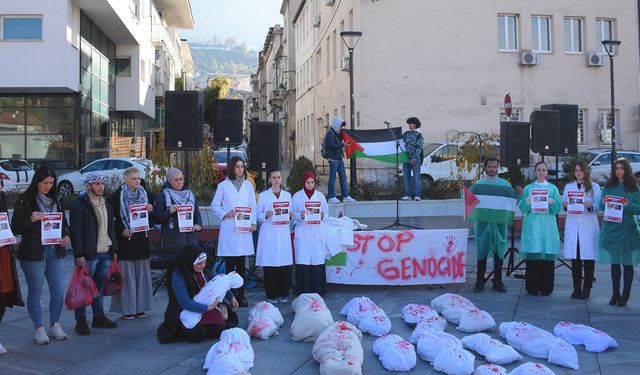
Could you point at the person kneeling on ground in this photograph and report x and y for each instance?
(191, 273)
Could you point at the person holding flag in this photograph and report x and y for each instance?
(332, 148)
(491, 204)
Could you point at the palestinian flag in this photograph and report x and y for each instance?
(496, 202)
(376, 144)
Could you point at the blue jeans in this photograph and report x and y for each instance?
(97, 269)
(51, 268)
(407, 168)
(337, 166)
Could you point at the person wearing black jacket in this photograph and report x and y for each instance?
(133, 251)
(93, 238)
(40, 261)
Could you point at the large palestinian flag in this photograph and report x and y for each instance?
(374, 144)
(489, 202)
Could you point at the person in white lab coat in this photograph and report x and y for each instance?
(233, 245)
(308, 243)
(581, 232)
(274, 242)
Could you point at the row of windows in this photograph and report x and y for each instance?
(542, 30)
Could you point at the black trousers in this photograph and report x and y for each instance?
(616, 272)
(276, 281)
(539, 277)
(236, 264)
(203, 332)
(3, 305)
(497, 268)
(311, 279)
(576, 271)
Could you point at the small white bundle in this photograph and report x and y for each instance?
(264, 320)
(563, 354)
(454, 361)
(476, 320)
(233, 354)
(395, 353)
(311, 317)
(213, 291)
(367, 316)
(436, 323)
(338, 350)
(492, 350)
(594, 340)
(451, 306)
(531, 368)
(414, 313)
(527, 338)
(432, 342)
(490, 369)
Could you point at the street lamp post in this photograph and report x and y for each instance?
(350, 39)
(611, 46)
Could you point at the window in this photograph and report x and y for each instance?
(143, 71)
(447, 152)
(96, 166)
(540, 39)
(573, 35)
(604, 159)
(123, 66)
(119, 164)
(515, 114)
(507, 33)
(604, 31)
(604, 125)
(21, 27)
(582, 116)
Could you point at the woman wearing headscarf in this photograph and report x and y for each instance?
(133, 250)
(193, 270)
(308, 244)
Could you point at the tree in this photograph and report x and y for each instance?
(218, 89)
(472, 152)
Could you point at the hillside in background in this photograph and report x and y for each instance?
(223, 58)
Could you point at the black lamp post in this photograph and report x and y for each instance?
(350, 39)
(611, 46)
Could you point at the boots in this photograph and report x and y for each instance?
(615, 298)
(498, 286)
(624, 298)
(589, 266)
(242, 302)
(481, 270)
(576, 274)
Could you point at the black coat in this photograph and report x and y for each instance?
(172, 239)
(31, 248)
(84, 228)
(13, 298)
(136, 247)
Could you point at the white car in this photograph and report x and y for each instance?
(599, 162)
(73, 182)
(16, 174)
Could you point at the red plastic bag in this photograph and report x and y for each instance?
(82, 290)
(114, 281)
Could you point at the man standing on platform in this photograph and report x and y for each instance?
(493, 213)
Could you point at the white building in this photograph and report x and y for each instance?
(80, 78)
(451, 62)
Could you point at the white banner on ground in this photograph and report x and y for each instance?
(404, 257)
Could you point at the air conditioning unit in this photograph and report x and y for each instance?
(330, 2)
(529, 58)
(344, 64)
(316, 23)
(595, 59)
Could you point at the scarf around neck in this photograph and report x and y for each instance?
(45, 203)
(128, 198)
(237, 182)
(182, 197)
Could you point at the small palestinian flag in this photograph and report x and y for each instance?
(376, 144)
(490, 202)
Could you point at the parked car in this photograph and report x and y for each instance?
(16, 174)
(599, 162)
(73, 182)
(221, 161)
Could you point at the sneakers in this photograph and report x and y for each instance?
(416, 199)
(102, 322)
(3, 350)
(56, 332)
(405, 198)
(348, 200)
(41, 337)
(283, 300)
(82, 328)
(141, 315)
(128, 317)
(498, 286)
(334, 200)
(479, 286)
(272, 301)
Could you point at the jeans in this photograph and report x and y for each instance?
(97, 269)
(51, 268)
(337, 166)
(407, 168)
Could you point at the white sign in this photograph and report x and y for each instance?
(243, 219)
(51, 228)
(312, 212)
(540, 201)
(138, 218)
(185, 218)
(280, 213)
(6, 235)
(575, 203)
(613, 208)
(407, 257)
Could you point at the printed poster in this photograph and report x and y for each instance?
(540, 201)
(138, 218)
(280, 213)
(312, 213)
(51, 228)
(575, 203)
(185, 218)
(243, 219)
(6, 235)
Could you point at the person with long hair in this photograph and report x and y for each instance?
(581, 229)
(193, 269)
(38, 261)
(620, 242)
(133, 249)
(233, 243)
(308, 244)
(274, 241)
(540, 242)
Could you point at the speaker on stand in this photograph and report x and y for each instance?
(266, 146)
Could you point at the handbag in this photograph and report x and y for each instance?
(82, 290)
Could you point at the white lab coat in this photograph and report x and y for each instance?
(583, 227)
(274, 241)
(309, 243)
(231, 242)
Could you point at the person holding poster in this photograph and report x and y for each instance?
(620, 241)
(9, 285)
(233, 194)
(540, 243)
(133, 247)
(274, 242)
(581, 228)
(309, 249)
(38, 261)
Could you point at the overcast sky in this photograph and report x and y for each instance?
(245, 20)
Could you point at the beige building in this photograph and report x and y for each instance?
(451, 62)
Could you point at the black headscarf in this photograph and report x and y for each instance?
(184, 265)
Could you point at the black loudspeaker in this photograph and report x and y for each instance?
(266, 146)
(545, 132)
(568, 127)
(514, 143)
(227, 126)
(183, 120)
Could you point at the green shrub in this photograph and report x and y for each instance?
(301, 165)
